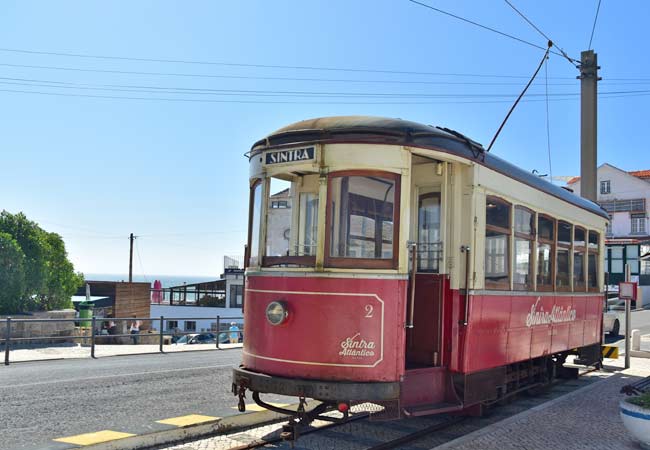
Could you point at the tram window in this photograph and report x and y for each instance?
(524, 236)
(291, 223)
(362, 212)
(592, 260)
(254, 224)
(308, 228)
(429, 243)
(497, 240)
(563, 274)
(545, 252)
(278, 220)
(579, 244)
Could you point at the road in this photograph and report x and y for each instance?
(46, 400)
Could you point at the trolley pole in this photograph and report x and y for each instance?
(628, 321)
(588, 124)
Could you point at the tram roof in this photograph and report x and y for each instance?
(381, 130)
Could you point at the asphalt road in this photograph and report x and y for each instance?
(640, 321)
(41, 401)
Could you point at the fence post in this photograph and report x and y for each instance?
(7, 340)
(161, 334)
(218, 329)
(92, 338)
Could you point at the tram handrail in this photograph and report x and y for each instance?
(414, 265)
(466, 249)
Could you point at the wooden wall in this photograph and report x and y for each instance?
(133, 299)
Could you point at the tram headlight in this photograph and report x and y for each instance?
(276, 312)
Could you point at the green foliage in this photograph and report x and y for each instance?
(642, 400)
(12, 274)
(48, 277)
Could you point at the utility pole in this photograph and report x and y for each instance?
(131, 238)
(588, 123)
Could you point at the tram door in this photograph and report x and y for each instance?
(424, 340)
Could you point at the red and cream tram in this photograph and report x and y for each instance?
(401, 264)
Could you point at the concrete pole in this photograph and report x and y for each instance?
(628, 321)
(588, 124)
(131, 258)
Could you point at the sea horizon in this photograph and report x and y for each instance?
(167, 280)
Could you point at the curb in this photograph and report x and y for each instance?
(488, 429)
(175, 434)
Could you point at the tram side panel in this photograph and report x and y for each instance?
(337, 328)
(503, 330)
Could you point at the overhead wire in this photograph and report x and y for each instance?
(485, 27)
(137, 250)
(573, 61)
(593, 28)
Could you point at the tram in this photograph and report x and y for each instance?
(401, 264)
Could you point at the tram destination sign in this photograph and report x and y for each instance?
(290, 155)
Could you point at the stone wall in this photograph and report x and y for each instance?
(40, 329)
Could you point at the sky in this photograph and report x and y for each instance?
(98, 146)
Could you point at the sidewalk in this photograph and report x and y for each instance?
(584, 419)
(78, 351)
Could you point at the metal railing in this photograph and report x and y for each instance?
(90, 325)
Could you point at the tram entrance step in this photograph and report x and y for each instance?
(432, 408)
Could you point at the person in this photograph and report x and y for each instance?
(112, 330)
(134, 329)
(234, 333)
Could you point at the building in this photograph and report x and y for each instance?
(626, 197)
(195, 307)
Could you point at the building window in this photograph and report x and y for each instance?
(608, 229)
(279, 204)
(616, 259)
(190, 326)
(645, 264)
(545, 252)
(592, 260)
(632, 258)
(563, 273)
(497, 240)
(637, 224)
(605, 187)
(579, 248)
(172, 325)
(236, 295)
(524, 237)
(631, 205)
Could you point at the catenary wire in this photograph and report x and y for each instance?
(483, 26)
(250, 77)
(571, 60)
(593, 28)
(137, 250)
(247, 92)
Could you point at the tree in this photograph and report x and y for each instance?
(12, 275)
(49, 277)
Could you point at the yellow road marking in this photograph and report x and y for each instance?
(191, 419)
(256, 407)
(94, 438)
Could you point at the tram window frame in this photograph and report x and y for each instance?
(593, 249)
(288, 260)
(248, 258)
(502, 284)
(579, 250)
(563, 247)
(546, 287)
(522, 236)
(346, 262)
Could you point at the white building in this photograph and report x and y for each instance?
(626, 197)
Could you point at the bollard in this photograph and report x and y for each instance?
(218, 330)
(92, 338)
(161, 334)
(7, 340)
(636, 340)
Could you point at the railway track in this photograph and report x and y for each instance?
(360, 432)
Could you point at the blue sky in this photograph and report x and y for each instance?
(172, 172)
